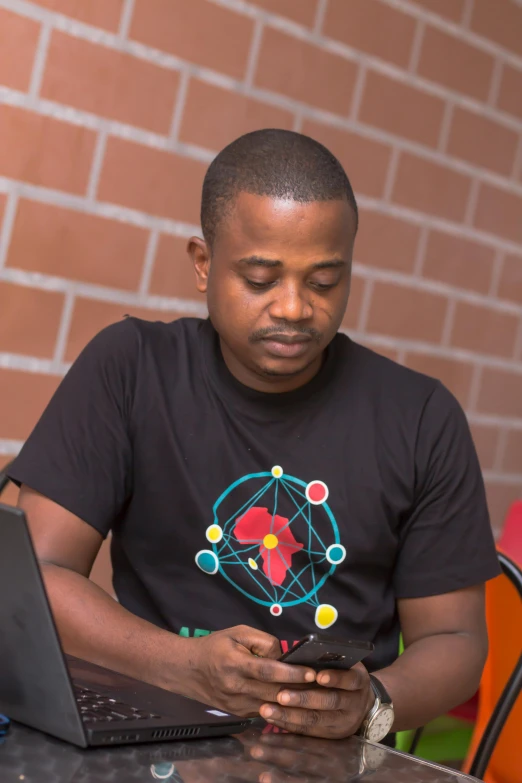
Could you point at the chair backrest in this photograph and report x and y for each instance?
(496, 745)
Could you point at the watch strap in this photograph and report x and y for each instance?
(379, 690)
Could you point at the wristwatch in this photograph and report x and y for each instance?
(379, 720)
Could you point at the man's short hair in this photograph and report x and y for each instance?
(276, 163)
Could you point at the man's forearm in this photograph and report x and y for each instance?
(432, 676)
(94, 626)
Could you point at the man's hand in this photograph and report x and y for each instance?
(334, 710)
(237, 670)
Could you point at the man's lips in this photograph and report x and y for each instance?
(286, 346)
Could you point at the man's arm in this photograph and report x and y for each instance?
(234, 670)
(446, 645)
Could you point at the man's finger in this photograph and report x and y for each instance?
(258, 642)
(266, 670)
(316, 699)
(306, 718)
(353, 679)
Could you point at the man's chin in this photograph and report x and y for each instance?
(283, 368)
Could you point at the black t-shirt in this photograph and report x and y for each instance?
(293, 513)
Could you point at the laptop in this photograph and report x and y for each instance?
(72, 699)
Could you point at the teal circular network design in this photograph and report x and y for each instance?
(278, 545)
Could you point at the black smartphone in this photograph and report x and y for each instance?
(322, 652)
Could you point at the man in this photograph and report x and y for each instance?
(265, 477)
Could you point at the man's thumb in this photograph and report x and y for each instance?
(259, 643)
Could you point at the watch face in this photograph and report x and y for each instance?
(380, 724)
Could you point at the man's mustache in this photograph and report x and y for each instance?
(271, 331)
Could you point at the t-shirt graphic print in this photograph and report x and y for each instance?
(266, 542)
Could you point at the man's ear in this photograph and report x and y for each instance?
(199, 252)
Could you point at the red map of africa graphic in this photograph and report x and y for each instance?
(276, 541)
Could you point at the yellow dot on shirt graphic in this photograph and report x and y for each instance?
(277, 471)
(214, 534)
(325, 616)
(270, 541)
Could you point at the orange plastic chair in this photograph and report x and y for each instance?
(495, 754)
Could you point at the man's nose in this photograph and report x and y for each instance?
(291, 304)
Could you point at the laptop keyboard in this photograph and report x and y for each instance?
(97, 707)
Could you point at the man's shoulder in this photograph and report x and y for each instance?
(126, 338)
(380, 373)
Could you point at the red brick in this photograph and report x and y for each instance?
(29, 320)
(455, 64)
(157, 182)
(499, 212)
(75, 245)
(385, 241)
(455, 375)
(173, 273)
(100, 13)
(510, 92)
(90, 317)
(302, 11)
(407, 313)
(510, 286)
(500, 497)
(500, 21)
(44, 151)
(199, 31)
(451, 9)
(486, 443)
(500, 393)
(482, 329)
(482, 141)
(113, 84)
(304, 72)
(372, 27)
(214, 117)
(18, 40)
(431, 188)
(419, 117)
(366, 161)
(351, 316)
(512, 462)
(24, 396)
(459, 262)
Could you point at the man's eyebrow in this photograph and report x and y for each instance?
(260, 261)
(270, 263)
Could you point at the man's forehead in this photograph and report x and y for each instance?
(262, 218)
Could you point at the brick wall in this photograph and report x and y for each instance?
(110, 111)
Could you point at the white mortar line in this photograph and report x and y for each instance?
(179, 107)
(496, 79)
(449, 320)
(253, 55)
(491, 420)
(416, 46)
(7, 226)
(366, 302)
(467, 13)
(63, 329)
(320, 14)
(40, 60)
(148, 263)
(472, 202)
(502, 478)
(498, 265)
(391, 174)
(445, 127)
(358, 92)
(474, 391)
(420, 253)
(297, 125)
(13, 361)
(96, 166)
(10, 447)
(126, 18)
